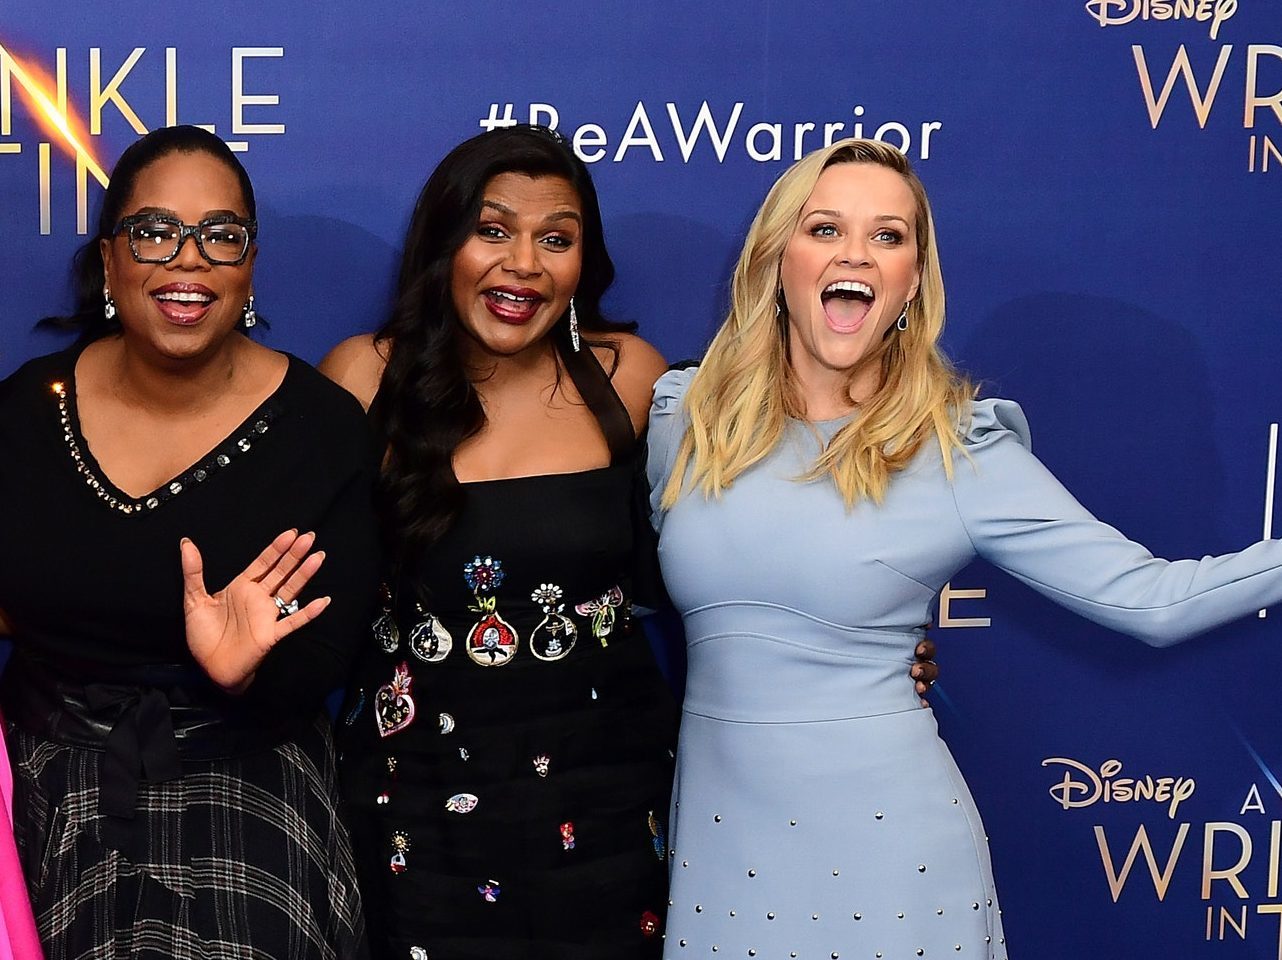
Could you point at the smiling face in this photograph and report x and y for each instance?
(848, 268)
(188, 306)
(512, 279)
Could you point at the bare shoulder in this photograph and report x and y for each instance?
(357, 365)
(634, 373)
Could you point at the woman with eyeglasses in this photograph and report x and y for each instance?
(184, 570)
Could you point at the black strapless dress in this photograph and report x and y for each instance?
(506, 747)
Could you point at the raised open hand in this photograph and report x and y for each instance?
(230, 632)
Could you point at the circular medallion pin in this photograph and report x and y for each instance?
(492, 641)
(462, 803)
(429, 640)
(400, 846)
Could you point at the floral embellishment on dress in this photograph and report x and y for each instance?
(393, 705)
(400, 846)
(601, 610)
(554, 637)
(541, 763)
(492, 641)
(567, 835)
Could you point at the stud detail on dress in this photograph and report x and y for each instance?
(921, 868)
(752, 873)
(770, 916)
(859, 916)
(878, 815)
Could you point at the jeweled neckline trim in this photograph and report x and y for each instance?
(240, 442)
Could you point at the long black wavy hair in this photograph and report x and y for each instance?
(426, 405)
(87, 274)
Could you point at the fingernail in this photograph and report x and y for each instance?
(184, 540)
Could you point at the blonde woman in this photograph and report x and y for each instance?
(816, 481)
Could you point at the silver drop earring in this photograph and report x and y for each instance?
(574, 327)
(249, 317)
(902, 322)
(108, 305)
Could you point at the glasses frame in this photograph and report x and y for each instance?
(186, 230)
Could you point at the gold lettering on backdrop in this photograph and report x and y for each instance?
(240, 99)
(946, 598)
(1202, 102)
(1161, 878)
(1253, 99)
(1112, 13)
(100, 96)
(1209, 873)
(1253, 801)
(1082, 786)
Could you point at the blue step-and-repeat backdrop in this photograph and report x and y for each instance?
(1107, 180)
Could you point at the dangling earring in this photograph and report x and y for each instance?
(248, 316)
(108, 305)
(574, 327)
(902, 322)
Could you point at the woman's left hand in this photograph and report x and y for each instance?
(230, 632)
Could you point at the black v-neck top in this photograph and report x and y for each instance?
(90, 573)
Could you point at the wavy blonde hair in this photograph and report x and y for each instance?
(744, 391)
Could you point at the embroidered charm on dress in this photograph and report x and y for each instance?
(393, 705)
(385, 630)
(601, 610)
(418, 953)
(429, 640)
(447, 723)
(649, 924)
(567, 835)
(656, 835)
(491, 642)
(490, 890)
(462, 803)
(400, 845)
(554, 637)
(541, 764)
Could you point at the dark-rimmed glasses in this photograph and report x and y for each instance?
(157, 238)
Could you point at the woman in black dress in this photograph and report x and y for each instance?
(174, 777)
(505, 750)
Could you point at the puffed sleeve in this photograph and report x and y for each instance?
(668, 422)
(1021, 519)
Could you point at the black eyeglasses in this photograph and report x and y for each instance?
(157, 238)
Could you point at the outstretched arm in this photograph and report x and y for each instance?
(1020, 518)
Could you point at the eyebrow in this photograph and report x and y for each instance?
(559, 215)
(166, 212)
(880, 218)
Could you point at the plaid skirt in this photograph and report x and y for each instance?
(241, 858)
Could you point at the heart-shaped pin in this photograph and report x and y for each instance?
(393, 705)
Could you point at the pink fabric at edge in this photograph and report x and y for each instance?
(18, 940)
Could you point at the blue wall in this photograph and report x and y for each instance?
(1112, 266)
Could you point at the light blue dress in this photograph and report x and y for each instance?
(816, 812)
